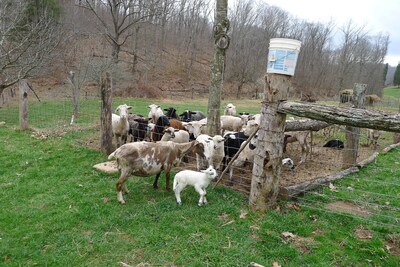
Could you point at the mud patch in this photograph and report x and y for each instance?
(348, 207)
(393, 244)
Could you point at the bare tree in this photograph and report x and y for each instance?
(117, 17)
(221, 27)
(26, 42)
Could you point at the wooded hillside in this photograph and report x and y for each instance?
(154, 46)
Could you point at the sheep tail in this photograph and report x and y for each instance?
(112, 156)
(175, 183)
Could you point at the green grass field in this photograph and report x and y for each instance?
(391, 92)
(56, 210)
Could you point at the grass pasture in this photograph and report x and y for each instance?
(56, 210)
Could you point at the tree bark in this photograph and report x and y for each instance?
(353, 133)
(221, 43)
(265, 178)
(106, 113)
(75, 92)
(343, 115)
(23, 104)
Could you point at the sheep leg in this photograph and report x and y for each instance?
(155, 183)
(178, 190)
(121, 185)
(167, 178)
(202, 194)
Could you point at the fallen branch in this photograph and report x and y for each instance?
(367, 161)
(387, 149)
(297, 189)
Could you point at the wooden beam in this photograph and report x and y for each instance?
(343, 115)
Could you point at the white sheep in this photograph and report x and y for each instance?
(120, 124)
(218, 151)
(196, 127)
(155, 112)
(174, 135)
(231, 123)
(199, 180)
(207, 156)
(230, 109)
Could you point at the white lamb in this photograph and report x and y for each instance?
(199, 180)
(120, 124)
(230, 109)
(155, 112)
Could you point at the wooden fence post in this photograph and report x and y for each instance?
(265, 178)
(23, 104)
(353, 133)
(106, 113)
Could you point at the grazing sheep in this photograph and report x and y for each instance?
(155, 112)
(120, 124)
(146, 159)
(230, 109)
(199, 180)
(370, 100)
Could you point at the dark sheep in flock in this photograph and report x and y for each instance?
(171, 113)
(159, 127)
(189, 116)
(336, 143)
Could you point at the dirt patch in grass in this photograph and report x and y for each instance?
(347, 207)
(363, 234)
(393, 244)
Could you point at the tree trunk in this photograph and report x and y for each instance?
(343, 115)
(221, 43)
(23, 104)
(106, 113)
(75, 92)
(353, 133)
(265, 178)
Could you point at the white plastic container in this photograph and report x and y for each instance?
(282, 56)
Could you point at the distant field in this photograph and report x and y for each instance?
(392, 92)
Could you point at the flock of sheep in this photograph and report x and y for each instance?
(160, 141)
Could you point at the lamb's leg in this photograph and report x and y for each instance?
(204, 197)
(202, 194)
(178, 191)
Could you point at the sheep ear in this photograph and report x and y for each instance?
(129, 107)
(203, 171)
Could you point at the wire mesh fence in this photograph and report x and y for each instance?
(367, 195)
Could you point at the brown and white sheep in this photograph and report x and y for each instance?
(145, 159)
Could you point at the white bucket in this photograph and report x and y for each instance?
(282, 55)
